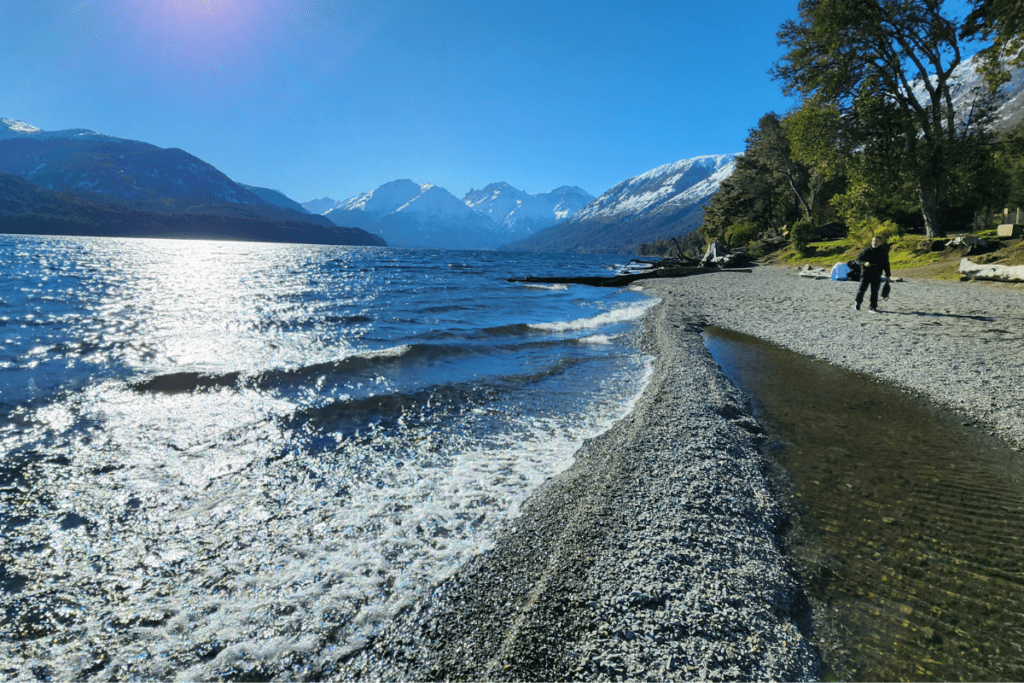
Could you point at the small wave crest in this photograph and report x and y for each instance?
(191, 381)
(558, 287)
(619, 315)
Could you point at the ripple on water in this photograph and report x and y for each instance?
(908, 522)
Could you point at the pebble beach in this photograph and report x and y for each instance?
(658, 554)
(958, 344)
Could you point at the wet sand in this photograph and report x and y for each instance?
(658, 555)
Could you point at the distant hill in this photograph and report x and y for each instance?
(136, 175)
(26, 208)
(664, 202)
(409, 214)
(276, 198)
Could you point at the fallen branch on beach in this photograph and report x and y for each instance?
(976, 271)
(716, 260)
(623, 280)
(816, 273)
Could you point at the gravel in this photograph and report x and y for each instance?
(657, 554)
(959, 344)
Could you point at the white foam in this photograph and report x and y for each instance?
(618, 315)
(264, 557)
(390, 352)
(598, 339)
(557, 287)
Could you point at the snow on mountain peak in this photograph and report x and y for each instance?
(517, 211)
(383, 200)
(676, 184)
(18, 127)
(13, 128)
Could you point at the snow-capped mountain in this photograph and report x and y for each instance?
(321, 206)
(387, 198)
(967, 85)
(567, 200)
(12, 128)
(408, 214)
(507, 206)
(519, 212)
(664, 202)
(661, 189)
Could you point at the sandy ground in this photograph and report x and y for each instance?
(657, 555)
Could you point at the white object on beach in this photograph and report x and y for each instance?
(816, 273)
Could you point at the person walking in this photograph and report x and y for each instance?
(873, 260)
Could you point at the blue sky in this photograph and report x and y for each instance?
(336, 98)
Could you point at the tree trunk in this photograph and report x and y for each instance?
(799, 197)
(931, 208)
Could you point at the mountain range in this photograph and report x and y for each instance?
(408, 214)
(145, 190)
(75, 169)
(664, 202)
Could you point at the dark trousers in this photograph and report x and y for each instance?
(873, 279)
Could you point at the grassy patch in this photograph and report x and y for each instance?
(1012, 254)
(909, 256)
(819, 253)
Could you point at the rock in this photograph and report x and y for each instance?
(1010, 230)
(973, 244)
(977, 271)
(829, 231)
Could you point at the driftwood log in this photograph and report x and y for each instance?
(625, 279)
(977, 271)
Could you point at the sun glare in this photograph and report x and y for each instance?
(202, 31)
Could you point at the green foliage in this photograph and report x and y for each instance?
(877, 141)
(1002, 23)
(815, 132)
(819, 143)
(863, 57)
(741, 234)
(763, 193)
(1008, 160)
(687, 245)
(800, 235)
(863, 230)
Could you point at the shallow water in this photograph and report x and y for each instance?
(240, 460)
(908, 523)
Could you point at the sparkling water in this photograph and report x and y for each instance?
(240, 460)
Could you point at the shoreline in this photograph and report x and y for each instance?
(658, 553)
(957, 344)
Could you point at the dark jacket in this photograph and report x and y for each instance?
(878, 258)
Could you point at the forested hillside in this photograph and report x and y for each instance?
(28, 209)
